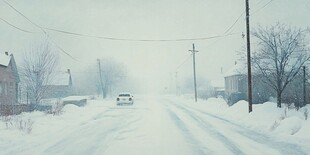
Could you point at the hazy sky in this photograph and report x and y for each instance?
(144, 19)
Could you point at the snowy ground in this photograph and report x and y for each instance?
(162, 125)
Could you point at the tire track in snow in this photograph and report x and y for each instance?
(211, 130)
(186, 132)
(108, 133)
(284, 148)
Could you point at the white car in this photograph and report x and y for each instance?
(124, 98)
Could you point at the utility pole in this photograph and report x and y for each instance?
(194, 68)
(248, 55)
(100, 77)
(304, 84)
(176, 84)
(37, 87)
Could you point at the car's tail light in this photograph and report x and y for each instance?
(130, 99)
(117, 99)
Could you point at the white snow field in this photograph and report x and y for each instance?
(159, 125)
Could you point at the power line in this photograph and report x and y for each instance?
(259, 2)
(137, 40)
(119, 39)
(18, 28)
(65, 52)
(256, 11)
(40, 27)
(234, 23)
(22, 14)
(184, 62)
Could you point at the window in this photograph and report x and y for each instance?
(1, 88)
(11, 87)
(5, 88)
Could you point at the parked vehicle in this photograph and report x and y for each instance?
(124, 98)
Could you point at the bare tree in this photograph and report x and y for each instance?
(112, 72)
(282, 51)
(37, 71)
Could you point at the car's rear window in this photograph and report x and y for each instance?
(124, 95)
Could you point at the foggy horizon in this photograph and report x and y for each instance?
(152, 62)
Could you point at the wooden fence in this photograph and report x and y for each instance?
(6, 110)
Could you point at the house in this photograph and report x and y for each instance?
(218, 84)
(61, 86)
(236, 83)
(9, 80)
(236, 86)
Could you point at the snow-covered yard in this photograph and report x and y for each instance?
(158, 125)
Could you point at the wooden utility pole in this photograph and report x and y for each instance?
(248, 55)
(194, 68)
(100, 78)
(304, 84)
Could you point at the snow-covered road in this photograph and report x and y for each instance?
(152, 126)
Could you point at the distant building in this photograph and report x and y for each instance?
(60, 87)
(218, 84)
(236, 84)
(236, 80)
(9, 79)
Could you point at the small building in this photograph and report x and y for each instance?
(9, 80)
(218, 85)
(60, 87)
(236, 84)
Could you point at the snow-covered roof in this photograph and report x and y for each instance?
(218, 80)
(219, 83)
(237, 69)
(4, 59)
(74, 98)
(61, 79)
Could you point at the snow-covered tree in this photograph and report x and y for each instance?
(37, 71)
(281, 52)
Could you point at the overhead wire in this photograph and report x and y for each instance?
(234, 23)
(259, 9)
(137, 40)
(125, 39)
(121, 39)
(40, 27)
(11, 6)
(184, 62)
(18, 28)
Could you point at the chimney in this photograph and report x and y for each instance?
(70, 78)
(6, 53)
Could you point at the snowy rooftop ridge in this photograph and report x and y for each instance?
(238, 68)
(218, 81)
(61, 79)
(4, 59)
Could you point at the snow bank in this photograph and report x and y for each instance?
(75, 98)
(265, 117)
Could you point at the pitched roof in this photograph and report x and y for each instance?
(61, 79)
(5, 59)
(218, 80)
(237, 69)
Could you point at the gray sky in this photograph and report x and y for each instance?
(144, 19)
